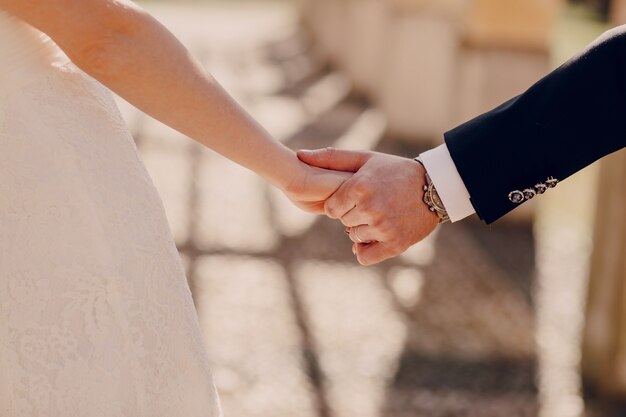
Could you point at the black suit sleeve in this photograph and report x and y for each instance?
(567, 120)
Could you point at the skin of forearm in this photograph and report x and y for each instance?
(145, 64)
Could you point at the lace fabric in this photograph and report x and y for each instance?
(96, 316)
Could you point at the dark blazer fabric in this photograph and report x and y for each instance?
(563, 123)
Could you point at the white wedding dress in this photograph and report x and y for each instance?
(96, 317)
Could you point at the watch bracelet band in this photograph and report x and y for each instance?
(431, 197)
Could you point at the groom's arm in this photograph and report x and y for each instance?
(569, 119)
(563, 123)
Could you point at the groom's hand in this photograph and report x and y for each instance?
(383, 198)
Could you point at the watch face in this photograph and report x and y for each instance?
(437, 200)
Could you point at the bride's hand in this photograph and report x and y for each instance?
(310, 189)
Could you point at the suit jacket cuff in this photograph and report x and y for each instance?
(448, 182)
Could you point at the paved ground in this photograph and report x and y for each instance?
(294, 327)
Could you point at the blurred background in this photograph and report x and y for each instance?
(520, 318)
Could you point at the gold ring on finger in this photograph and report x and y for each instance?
(356, 235)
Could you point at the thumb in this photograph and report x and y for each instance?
(335, 159)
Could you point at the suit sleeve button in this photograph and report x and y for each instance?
(552, 182)
(516, 196)
(529, 193)
(541, 188)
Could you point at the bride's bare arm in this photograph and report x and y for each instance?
(122, 46)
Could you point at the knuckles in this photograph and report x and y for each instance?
(330, 209)
(378, 218)
(361, 189)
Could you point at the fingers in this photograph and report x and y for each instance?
(336, 159)
(384, 194)
(311, 190)
(373, 253)
(341, 202)
(330, 181)
(355, 217)
(352, 193)
(314, 207)
(336, 208)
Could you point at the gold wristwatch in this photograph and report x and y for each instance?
(432, 199)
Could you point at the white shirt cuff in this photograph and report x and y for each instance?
(448, 182)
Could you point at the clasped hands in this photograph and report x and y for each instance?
(378, 197)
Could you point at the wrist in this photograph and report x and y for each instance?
(294, 178)
(284, 170)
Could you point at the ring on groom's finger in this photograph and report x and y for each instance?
(356, 235)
